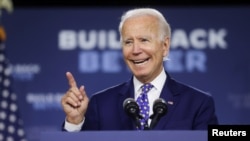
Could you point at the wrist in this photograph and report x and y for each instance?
(76, 120)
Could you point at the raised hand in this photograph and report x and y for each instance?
(75, 101)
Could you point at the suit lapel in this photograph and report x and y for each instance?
(169, 94)
(127, 91)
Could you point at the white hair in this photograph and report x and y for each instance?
(164, 29)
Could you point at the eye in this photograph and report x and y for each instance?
(144, 40)
(128, 42)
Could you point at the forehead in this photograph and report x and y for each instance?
(142, 23)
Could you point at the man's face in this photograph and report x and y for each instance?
(143, 50)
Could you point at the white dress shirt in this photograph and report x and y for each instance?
(153, 94)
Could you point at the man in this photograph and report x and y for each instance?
(145, 39)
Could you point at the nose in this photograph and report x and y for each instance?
(136, 48)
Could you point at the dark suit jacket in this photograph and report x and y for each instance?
(188, 108)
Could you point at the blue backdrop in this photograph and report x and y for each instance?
(209, 50)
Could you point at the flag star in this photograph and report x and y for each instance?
(9, 116)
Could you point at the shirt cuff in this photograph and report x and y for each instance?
(73, 127)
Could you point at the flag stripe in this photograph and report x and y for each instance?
(11, 125)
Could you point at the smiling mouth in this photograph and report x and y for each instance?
(140, 62)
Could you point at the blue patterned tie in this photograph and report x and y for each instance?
(142, 101)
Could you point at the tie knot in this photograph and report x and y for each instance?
(146, 87)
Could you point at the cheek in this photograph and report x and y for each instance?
(160, 54)
(125, 52)
(126, 49)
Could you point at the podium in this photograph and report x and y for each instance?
(175, 135)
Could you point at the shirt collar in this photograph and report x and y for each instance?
(158, 82)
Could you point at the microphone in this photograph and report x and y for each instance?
(132, 109)
(159, 110)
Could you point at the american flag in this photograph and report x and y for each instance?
(11, 125)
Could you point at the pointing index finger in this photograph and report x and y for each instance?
(71, 79)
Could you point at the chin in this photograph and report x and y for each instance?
(140, 74)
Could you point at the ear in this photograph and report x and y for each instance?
(166, 46)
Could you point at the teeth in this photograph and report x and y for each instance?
(140, 62)
(137, 62)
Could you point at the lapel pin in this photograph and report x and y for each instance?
(170, 102)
